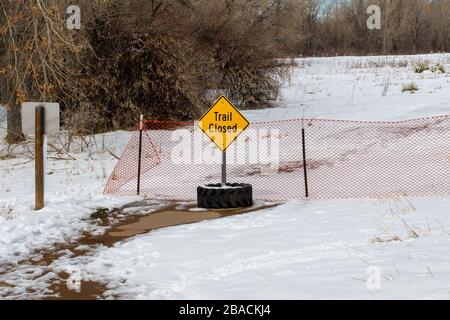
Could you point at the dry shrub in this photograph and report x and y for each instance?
(84, 120)
(238, 40)
(165, 59)
(156, 78)
(248, 78)
(131, 73)
(171, 64)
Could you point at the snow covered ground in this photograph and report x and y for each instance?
(73, 192)
(313, 249)
(301, 250)
(351, 88)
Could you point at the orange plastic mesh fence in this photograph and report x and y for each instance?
(344, 159)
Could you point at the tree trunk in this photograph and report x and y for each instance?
(14, 121)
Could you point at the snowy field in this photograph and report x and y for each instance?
(352, 88)
(303, 249)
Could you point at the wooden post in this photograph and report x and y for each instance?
(39, 157)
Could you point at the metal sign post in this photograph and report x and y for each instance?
(224, 169)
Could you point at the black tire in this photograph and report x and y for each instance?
(235, 195)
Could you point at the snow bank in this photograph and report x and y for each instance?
(301, 250)
(73, 192)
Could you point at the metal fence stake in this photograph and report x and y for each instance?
(141, 129)
(305, 168)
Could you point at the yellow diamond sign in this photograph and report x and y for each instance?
(223, 123)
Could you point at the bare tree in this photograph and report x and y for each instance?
(40, 56)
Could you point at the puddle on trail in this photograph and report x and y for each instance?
(127, 227)
(168, 218)
(160, 220)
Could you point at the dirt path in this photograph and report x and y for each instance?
(126, 228)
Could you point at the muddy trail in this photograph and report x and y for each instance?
(119, 227)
